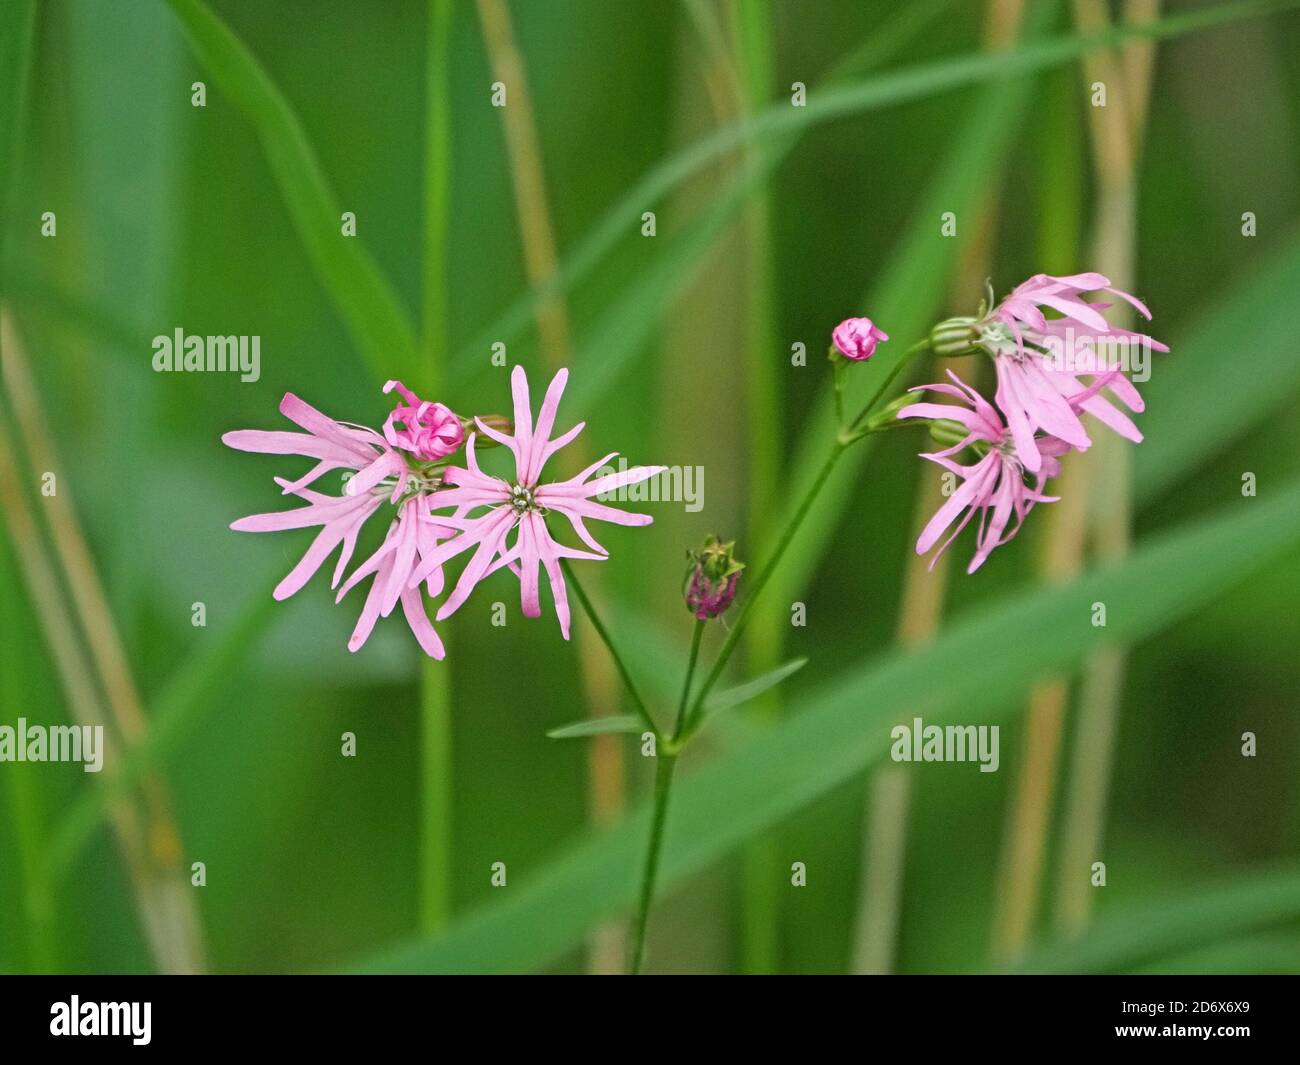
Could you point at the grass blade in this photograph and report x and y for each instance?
(1186, 422)
(1163, 927)
(191, 692)
(597, 726)
(743, 693)
(845, 727)
(375, 319)
(853, 98)
(907, 299)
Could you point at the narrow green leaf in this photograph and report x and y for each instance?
(607, 349)
(1222, 376)
(906, 299)
(852, 98)
(597, 726)
(966, 675)
(1266, 953)
(189, 693)
(1163, 927)
(17, 22)
(610, 345)
(752, 689)
(27, 792)
(370, 310)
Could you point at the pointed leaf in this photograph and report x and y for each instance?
(597, 726)
(752, 689)
(365, 300)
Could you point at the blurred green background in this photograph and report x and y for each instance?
(205, 218)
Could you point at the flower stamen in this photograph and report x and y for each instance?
(523, 499)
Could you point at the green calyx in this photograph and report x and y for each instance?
(716, 560)
(955, 336)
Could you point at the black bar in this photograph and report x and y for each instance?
(341, 1013)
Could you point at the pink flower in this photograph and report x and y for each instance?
(340, 518)
(519, 505)
(856, 338)
(381, 476)
(428, 430)
(994, 486)
(1039, 360)
(335, 446)
(411, 539)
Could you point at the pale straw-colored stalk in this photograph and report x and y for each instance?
(606, 769)
(152, 847)
(1117, 133)
(1034, 791)
(889, 789)
(1092, 483)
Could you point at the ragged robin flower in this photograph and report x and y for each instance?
(488, 510)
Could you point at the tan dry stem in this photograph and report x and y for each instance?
(1102, 488)
(1111, 503)
(606, 771)
(889, 789)
(151, 849)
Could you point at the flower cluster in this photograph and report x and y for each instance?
(1049, 372)
(407, 468)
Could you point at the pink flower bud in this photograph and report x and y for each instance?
(856, 338)
(427, 430)
(707, 599)
(711, 579)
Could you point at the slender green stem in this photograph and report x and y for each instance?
(904, 361)
(696, 636)
(601, 631)
(26, 796)
(436, 802)
(842, 442)
(837, 366)
(765, 575)
(688, 719)
(665, 756)
(665, 763)
(436, 797)
(437, 185)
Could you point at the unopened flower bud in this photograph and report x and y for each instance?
(426, 430)
(710, 584)
(856, 338)
(947, 433)
(889, 412)
(955, 336)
